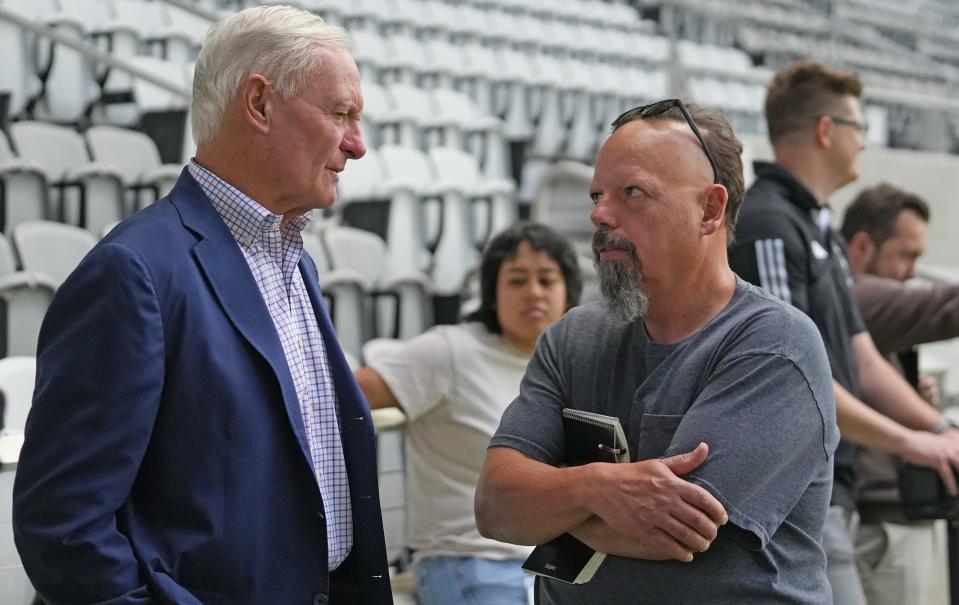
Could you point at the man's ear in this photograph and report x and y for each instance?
(255, 96)
(859, 250)
(714, 209)
(823, 132)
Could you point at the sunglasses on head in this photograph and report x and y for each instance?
(659, 108)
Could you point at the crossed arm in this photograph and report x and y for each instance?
(641, 509)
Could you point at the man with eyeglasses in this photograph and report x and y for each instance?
(785, 244)
(730, 427)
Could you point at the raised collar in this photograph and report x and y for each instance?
(797, 192)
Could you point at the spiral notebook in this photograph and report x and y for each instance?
(588, 437)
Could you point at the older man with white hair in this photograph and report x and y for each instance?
(196, 435)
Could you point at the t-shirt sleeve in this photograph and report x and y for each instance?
(769, 421)
(420, 373)
(772, 254)
(533, 422)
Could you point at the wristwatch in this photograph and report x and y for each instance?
(943, 424)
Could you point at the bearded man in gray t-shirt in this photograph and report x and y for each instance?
(724, 393)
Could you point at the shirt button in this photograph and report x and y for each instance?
(320, 599)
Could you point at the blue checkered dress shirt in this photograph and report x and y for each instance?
(272, 251)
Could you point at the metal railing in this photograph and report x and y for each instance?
(92, 52)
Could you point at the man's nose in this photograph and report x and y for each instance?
(601, 215)
(353, 144)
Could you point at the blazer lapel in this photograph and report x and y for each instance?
(222, 262)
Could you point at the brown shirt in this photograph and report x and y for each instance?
(899, 316)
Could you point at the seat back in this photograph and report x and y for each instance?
(24, 192)
(55, 148)
(54, 249)
(18, 76)
(151, 98)
(360, 179)
(559, 200)
(407, 169)
(129, 151)
(406, 166)
(17, 377)
(358, 250)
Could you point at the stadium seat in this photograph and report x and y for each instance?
(378, 121)
(17, 375)
(160, 37)
(137, 159)
(561, 200)
(23, 189)
(370, 53)
(51, 248)
(66, 83)
(492, 201)
(88, 194)
(464, 126)
(406, 60)
(345, 293)
(414, 114)
(18, 77)
(456, 252)
(408, 182)
(399, 302)
(24, 298)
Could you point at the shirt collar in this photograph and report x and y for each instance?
(244, 217)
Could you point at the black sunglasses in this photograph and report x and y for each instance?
(659, 108)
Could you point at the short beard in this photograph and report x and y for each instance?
(620, 283)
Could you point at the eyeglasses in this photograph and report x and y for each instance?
(659, 108)
(862, 127)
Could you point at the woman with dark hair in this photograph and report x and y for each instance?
(453, 383)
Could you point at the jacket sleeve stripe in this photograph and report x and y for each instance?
(771, 262)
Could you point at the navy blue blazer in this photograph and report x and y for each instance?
(165, 458)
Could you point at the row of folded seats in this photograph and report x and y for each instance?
(546, 83)
(551, 102)
(90, 180)
(54, 82)
(434, 209)
(517, 19)
(365, 299)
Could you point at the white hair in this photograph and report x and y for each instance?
(277, 42)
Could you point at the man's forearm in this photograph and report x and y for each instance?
(890, 394)
(864, 426)
(522, 501)
(887, 391)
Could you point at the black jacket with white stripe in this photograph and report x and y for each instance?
(781, 246)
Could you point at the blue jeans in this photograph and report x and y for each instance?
(470, 581)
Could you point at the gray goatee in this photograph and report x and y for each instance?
(621, 283)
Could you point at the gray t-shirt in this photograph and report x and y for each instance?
(755, 385)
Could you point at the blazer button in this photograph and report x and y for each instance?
(320, 599)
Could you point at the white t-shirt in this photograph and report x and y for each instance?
(453, 382)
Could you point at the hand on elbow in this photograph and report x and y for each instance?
(648, 502)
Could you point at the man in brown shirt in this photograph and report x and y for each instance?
(885, 228)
